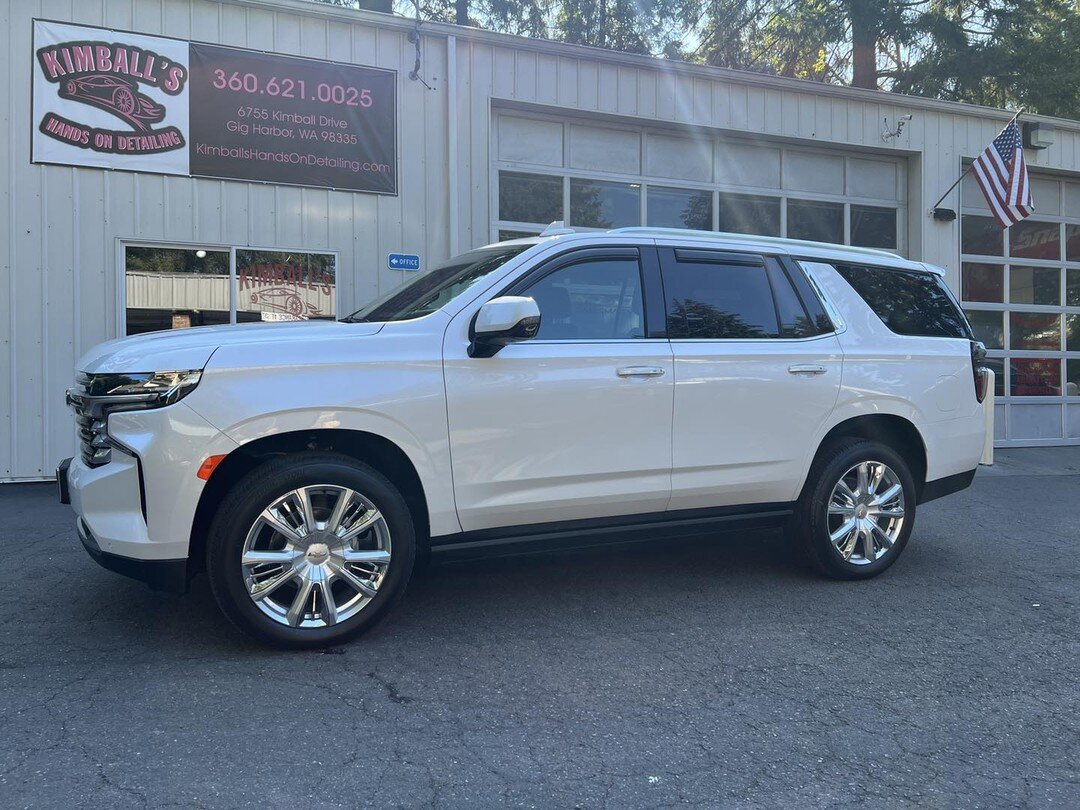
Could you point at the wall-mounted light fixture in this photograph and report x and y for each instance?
(888, 133)
(1038, 135)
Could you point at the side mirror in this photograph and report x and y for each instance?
(504, 320)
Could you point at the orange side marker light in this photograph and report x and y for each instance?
(206, 469)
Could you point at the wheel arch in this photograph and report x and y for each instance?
(892, 430)
(380, 453)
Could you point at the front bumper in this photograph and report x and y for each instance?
(161, 575)
(135, 512)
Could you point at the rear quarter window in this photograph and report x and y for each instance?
(909, 302)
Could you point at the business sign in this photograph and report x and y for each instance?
(403, 261)
(117, 100)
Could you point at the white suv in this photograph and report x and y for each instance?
(570, 388)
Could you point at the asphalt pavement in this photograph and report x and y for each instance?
(711, 672)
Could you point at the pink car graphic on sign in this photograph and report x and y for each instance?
(115, 95)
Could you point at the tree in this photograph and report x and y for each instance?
(996, 52)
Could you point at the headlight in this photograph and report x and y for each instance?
(98, 395)
(157, 387)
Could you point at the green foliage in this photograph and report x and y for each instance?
(1004, 53)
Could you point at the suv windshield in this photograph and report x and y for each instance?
(438, 287)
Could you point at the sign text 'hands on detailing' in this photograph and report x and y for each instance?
(118, 100)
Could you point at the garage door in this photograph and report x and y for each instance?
(593, 175)
(1021, 291)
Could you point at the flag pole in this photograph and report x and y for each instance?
(968, 169)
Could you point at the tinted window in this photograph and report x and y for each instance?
(718, 301)
(909, 302)
(593, 300)
(794, 320)
(435, 289)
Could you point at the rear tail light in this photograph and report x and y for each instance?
(982, 383)
(980, 374)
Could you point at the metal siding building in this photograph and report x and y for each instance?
(602, 132)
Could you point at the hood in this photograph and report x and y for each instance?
(183, 349)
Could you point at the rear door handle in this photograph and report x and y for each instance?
(640, 371)
(805, 368)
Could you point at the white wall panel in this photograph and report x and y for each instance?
(600, 149)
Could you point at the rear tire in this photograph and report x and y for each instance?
(857, 509)
(310, 550)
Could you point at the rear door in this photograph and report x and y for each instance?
(757, 372)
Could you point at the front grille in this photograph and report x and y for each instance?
(91, 425)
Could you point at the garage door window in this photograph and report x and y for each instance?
(591, 175)
(1021, 291)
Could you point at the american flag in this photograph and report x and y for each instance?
(1003, 177)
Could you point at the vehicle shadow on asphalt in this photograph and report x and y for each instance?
(635, 582)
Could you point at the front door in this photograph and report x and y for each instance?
(757, 372)
(575, 423)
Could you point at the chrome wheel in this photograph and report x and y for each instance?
(316, 556)
(866, 512)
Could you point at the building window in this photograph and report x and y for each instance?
(603, 204)
(180, 287)
(980, 236)
(530, 197)
(817, 221)
(679, 208)
(1021, 292)
(285, 286)
(748, 213)
(602, 178)
(174, 288)
(873, 226)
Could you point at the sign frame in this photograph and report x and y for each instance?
(396, 100)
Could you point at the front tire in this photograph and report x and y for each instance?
(857, 509)
(310, 550)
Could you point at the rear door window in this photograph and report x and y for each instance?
(718, 296)
(909, 302)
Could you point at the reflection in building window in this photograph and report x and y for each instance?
(981, 235)
(602, 204)
(816, 221)
(983, 282)
(679, 208)
(285, 286)
(1029, 239)
(1034, 330)
(1035, 377)
(175, 288)
(873, 226)
(1035, 285)
(748, 213)
(530, 197)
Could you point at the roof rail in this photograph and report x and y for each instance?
(751, 238)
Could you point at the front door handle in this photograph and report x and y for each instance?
(805, 368)
(640, 371)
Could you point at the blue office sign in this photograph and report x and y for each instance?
(403, 261)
